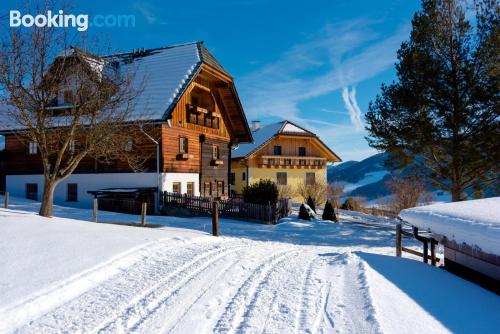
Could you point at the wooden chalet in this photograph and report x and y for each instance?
(188, 100)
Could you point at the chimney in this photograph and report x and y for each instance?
(255, 125)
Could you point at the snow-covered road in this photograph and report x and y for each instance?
(224, 285)
(295, 277)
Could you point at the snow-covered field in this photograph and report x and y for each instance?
(67, 275)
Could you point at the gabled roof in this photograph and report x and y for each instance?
(265, 134)
(161, 76)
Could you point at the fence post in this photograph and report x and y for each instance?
(433, 252)
(144, 207)
(6, 200)
(399, 244)
(215, 218)
(94, 212)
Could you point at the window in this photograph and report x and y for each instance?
(220, 188)
(232, 179)
(281, 178)
(277, 150)
(302, 151)
(244, 176)
(215, 152)
(207, 189)
(176, 187)
(72, 146)
(310, 179)
(129, 145)
(190, 188)
(68, 97)
(183, 145)
(32, 148)
(208, 122)
(72, 192)
(32, 191)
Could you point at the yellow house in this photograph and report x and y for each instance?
(282, 152)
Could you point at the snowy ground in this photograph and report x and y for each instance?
(67, 275)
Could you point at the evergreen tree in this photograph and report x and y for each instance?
(329, 212)
(441, 116)
(303, 214)
(310, 202)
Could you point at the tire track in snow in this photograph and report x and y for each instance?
(135, 314)
(306, 296)
(235, 310)
(90, 309)
(348, 304)
(61, 292)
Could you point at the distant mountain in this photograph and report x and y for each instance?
(368, 178)
(364, 178)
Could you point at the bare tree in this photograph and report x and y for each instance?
(335, 190)
(38, 67)
(286, 191)
(317, 191)
(406, 192)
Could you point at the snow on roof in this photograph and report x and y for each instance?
(159, 75)
(292, 128)
(475, 222)
(260, 137)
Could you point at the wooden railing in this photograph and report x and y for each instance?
(282, 160)
(235, 208)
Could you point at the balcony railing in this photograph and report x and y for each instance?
(292, 161)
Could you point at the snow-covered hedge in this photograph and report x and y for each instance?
(475, 222)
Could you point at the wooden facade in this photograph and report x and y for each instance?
(203, 117)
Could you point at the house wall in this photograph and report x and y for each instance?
(168, 180)
(16, 184)
(295, 176)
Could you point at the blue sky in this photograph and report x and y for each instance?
(316, 63)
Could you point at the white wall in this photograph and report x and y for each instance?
(169, 178)
(16, 185)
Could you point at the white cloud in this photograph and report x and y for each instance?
(352, 106)
(338, 56)
(146, 10)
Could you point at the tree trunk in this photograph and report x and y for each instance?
(47, 198)
(457, 194)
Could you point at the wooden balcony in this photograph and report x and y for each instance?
(291, 161)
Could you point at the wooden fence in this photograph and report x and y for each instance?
(234, 208)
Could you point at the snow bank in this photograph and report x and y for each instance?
(475, 222)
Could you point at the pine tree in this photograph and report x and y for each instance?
(303, 214)
(310, 202)
(329, 212)
(441, 116)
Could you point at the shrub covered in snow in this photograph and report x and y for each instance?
(310, 202)
(303, 214)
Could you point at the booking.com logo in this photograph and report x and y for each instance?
(61, 20)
